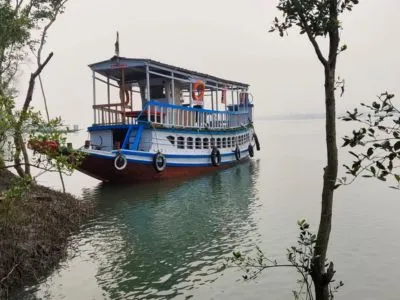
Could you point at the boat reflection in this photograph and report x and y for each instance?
(168, 238)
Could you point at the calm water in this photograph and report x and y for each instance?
(168, 240)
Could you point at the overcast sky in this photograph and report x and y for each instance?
(225, 38)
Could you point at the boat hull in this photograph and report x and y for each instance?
(102, 168)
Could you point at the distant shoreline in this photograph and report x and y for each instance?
(292, 117)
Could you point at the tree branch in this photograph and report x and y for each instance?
(312, 39)
(46, 28)
(9, 273)
(18, 139)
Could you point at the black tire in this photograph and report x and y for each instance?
(120, 162)
(215, 157)
(251, 150)
(159, 162)
(237, 153)
(257, 142)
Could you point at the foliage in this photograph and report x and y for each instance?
(311, 16)
(6, 120)
(300, 257)
(320, 19)
(16, 191)
(25, 28)
(41, 134)
(376, 144)
(62, 157)
(19, 23)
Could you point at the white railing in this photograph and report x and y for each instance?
(110, 114)
(180, 116)
(171, 116)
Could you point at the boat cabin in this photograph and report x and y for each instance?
(127, 91)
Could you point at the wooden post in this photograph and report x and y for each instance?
(108, 100)
(123, 95)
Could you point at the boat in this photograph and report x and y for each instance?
(156, 121)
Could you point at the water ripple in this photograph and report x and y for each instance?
(162, 240)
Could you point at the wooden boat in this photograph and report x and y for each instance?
(157, 121)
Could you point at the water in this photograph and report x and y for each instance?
(167, 240)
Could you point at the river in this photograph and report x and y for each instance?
(168, 240)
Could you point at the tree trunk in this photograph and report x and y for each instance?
(18, 137)
(322, 275)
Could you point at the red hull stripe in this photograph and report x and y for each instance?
(102, 168)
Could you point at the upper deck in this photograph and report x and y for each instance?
(136, 90)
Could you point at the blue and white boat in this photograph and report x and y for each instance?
(155, 121)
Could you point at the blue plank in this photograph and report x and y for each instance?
(139, 132)
(127, 136)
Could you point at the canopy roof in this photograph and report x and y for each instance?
(135, 70)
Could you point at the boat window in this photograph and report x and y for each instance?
(181, 142)
(189, 142)
(218, 142)
(198, 143)
(212, 142)
(223, 142)
(171, 139)
(229, 142)
(205, 143)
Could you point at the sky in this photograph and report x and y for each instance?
(225, 38)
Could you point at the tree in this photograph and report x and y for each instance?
(320, 18)
(376, 144)
(24, 31)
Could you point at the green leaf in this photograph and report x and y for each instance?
(396, 146)
(380, 165)
(390, 166)
(397, 177)
(373, 171)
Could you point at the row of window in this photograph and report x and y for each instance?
(206, 143)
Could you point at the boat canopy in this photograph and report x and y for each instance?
(137, 69)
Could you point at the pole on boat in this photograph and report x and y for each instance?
(123, 95)
(190, 94)
(108, 99)
(212, 99)
(233, 100)
(94, 97)
(173, 97)
(217, 97)
(147, 82)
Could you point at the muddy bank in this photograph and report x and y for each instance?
(34, 232)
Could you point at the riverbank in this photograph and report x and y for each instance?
(34, 232)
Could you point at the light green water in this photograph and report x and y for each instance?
(167, 240)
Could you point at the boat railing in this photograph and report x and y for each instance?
(110, 114)
(169, 115)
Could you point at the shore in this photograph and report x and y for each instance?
(34, 232)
